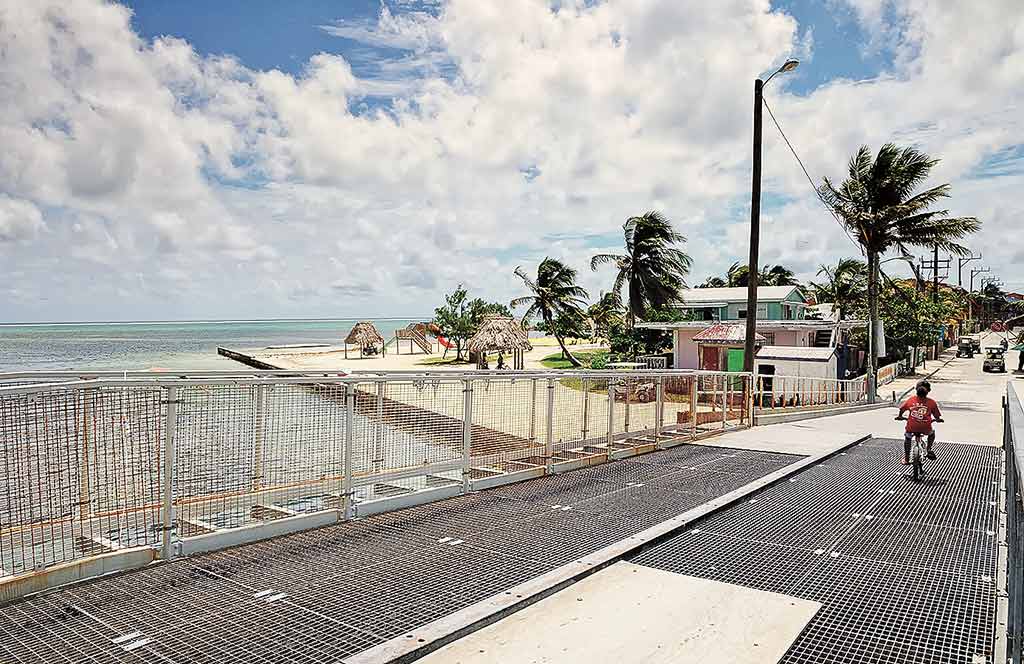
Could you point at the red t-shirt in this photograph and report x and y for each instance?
(920, 414)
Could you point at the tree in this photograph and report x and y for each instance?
(714, 282)
(878, 205)
(604, 315)
(911, 318)
(631, 342)
(845, 285)
(653, 269)
(736, 276)
(454, 319)
(553, 293)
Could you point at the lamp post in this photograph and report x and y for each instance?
(755, 219)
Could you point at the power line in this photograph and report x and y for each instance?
(810, 180)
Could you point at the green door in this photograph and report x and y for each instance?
(734, 360)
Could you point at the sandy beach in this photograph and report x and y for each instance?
(317, 358)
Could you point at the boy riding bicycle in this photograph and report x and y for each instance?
(922, 412)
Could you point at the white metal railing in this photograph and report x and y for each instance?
(794, 392)
(887, 374)
(97, 462)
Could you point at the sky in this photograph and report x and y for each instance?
(260, 159)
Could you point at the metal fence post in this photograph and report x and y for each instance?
(725, 399)
(84, 468)
(168, 467)
(533, 410)
(659, 408)
(628, 391)
(467, 431)
(378, 430)
(260, 398)
(586, 408)
(348, 491)
(549, 425)
(693, 405)
(611, 411)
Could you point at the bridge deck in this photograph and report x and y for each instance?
(323, 595)
(905, 572)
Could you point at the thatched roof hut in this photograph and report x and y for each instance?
(503, 334)
(364, 335)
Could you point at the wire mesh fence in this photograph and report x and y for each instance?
(95, 466)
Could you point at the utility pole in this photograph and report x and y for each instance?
(755, 219)
(935, 275)
(970, 293)
(960, 267)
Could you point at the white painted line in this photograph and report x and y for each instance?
(127, 637)
(136, 645)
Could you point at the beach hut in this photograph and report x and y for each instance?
(365, 335)
(503, 334)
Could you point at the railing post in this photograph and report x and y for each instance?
(259, 416)
(533, 410)
(168, 467)
(378, 430)
(549, 426)
(725, 399)
(659, 408)
(467, 432)
(348, 491)
(84, 468)
(693, 405)
(628, 391)
(749, 381)
(586, 408)
(611, 411)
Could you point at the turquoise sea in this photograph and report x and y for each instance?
(172, 345)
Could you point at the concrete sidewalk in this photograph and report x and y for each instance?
(970, 400)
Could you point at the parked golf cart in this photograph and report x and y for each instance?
(964, 347)
(976, 342)
(994, 360)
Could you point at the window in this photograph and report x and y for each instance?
(769, 338)
(742, 314)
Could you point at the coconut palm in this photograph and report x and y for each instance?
(605, 314)
(878, 205)
(553, 294)
(844, 286)
(653, 269)
(713, 282)
(736, 276)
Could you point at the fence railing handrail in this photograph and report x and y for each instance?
(144, 379)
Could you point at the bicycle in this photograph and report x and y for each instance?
(917, 453)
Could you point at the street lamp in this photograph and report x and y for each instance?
(755, 218)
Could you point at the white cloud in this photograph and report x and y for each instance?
(19, 220)
(166, 180)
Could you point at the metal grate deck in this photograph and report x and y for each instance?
(904, 571)
(325, 594)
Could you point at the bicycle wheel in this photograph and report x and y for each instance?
(918, 468)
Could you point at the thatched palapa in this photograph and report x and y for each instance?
(503, 334)
(364, 335)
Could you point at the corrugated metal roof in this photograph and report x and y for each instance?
(806, 353)
(709, 296)
(724, 333)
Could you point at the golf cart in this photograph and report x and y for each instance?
(975, 342)
(994, 360)
(964, 347)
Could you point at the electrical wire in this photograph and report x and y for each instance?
(810, 180)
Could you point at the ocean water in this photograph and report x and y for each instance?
(171, 345)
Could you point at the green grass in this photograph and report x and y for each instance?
(556, 361)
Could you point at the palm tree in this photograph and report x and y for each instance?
(652, 269)
(714, 282)
(844, 286)
(605, 314)
(777, 275)
(736, 276)
(878, 205)
(553, 294)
